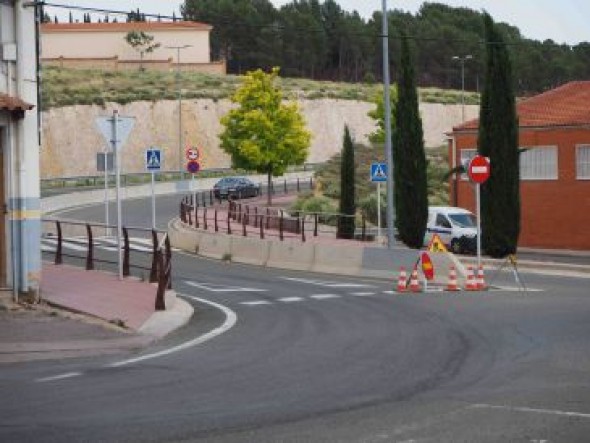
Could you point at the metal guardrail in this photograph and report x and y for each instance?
(92, 181)
(161, 263)
(200, 210)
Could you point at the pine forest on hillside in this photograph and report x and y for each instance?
(319, 40)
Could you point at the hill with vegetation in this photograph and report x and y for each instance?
(318, 39)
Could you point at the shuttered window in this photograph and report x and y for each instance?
(539, 163)
(583, 162)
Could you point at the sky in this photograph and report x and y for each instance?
(564, 21)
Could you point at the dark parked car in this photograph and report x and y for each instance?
(235, 187)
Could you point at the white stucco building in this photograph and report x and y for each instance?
(103, 45)
(20, 250)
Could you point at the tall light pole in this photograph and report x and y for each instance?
(387, 121)
(462, 60)
(179, 90)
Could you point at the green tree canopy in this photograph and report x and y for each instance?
(498, 140)
(263, 133)
(142, 43)
(409, 159)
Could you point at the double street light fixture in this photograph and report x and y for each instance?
(462, 60)
(179, 90)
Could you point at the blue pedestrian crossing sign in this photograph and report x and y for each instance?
(378, 172)
(153, 159)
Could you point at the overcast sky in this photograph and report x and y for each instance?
(565, 21)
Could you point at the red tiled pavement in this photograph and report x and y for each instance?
(98, 293)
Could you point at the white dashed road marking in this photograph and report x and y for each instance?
(255, 303)
(531, 410)
(362, 294)
(219, 288)
(328, 284)
(290, 299)
(324, 296)
(59, 377)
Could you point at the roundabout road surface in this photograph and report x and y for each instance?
(315, 358)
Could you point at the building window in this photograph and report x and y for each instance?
(466, 156)
(583, 162)
(539, 163)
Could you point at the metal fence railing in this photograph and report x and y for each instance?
(66, 233)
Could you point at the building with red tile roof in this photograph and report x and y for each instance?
(555, 169)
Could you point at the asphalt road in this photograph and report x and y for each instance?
(315, 358)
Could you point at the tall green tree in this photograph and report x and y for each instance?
(346, 224)
(263, 133)
(410, 184)
(498, 140)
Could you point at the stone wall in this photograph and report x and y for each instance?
(71, 139)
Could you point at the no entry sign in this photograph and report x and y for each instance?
(479, 169)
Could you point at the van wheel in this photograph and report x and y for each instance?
(455, 246)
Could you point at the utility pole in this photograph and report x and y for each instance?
(388, 148)
(462, 60)
(179, 91)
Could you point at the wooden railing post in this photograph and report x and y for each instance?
(285, 186)
(160, 303)
(58, 250)
(315, 225)
(90, 254)
(154, 269)
(261, 227)
(228, 223)
(297, 184)
(126, 253)
(216, 225)
(205, 219)
(197, 217)
(303, 228)
(281, 226)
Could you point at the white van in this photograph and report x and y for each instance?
(451, 223)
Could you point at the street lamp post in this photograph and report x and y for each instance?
(462, 60)
(179, 90)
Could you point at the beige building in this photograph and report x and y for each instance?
(103, 45)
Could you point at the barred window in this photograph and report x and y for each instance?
(539, 163)
(583, 162)
(466, 156)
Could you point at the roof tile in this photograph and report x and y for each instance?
(567, 105)
(8, 103)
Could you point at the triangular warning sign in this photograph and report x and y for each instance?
(154, 160)
(436, 245)
(379, 172)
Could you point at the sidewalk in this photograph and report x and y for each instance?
(96, 314)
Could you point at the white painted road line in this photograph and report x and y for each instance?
(255, 303)
(362, 294)
(389, 292)
(531, 410)
(230, 320)
(218, 288)
(324, 296)
(290, 299)
(328, 284)
(58, 377)
(514, 289)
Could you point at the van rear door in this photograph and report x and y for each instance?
(441, 226)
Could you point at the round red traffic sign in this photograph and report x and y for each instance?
(193, 166)
(192, 154)
(479, 169)
(427, 266)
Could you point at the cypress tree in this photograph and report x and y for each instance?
(346, 225)
(410, 184)
(498, 140)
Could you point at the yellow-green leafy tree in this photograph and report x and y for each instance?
(263, 133)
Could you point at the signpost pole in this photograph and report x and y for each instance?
(153, 201)
(107, 230)
(478, 203)
(194, 189)
(115, 142)
(379, 210)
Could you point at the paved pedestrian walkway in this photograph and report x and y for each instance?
(97, 314)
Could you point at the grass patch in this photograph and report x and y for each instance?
(65, 87)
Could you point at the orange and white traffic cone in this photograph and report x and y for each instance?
(471, 284)
(452, 282)
(414, 284)
(481, 282)
(402, 280)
